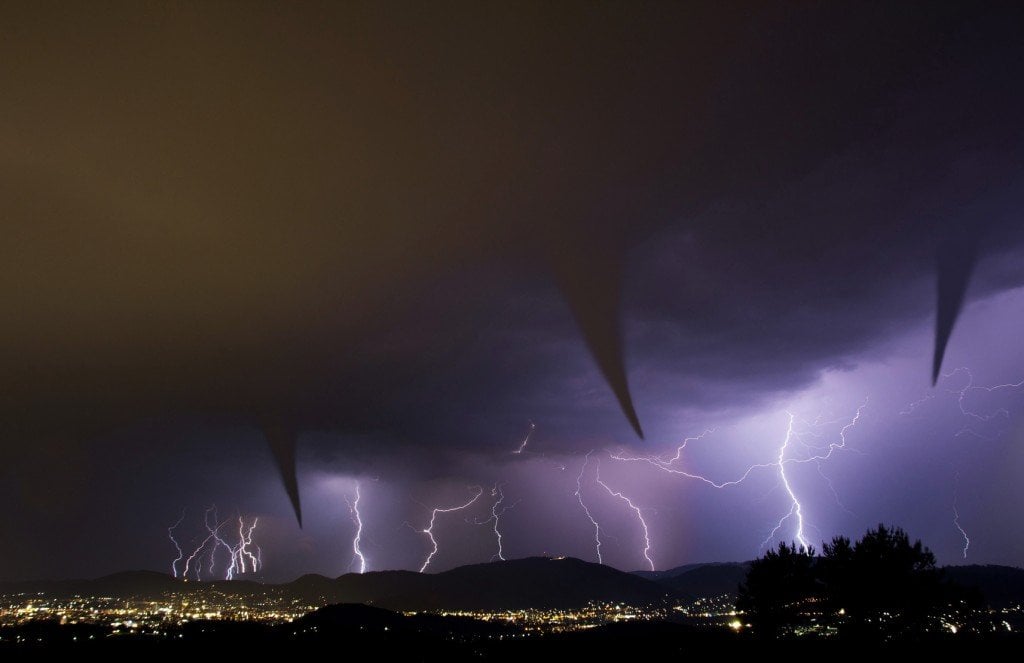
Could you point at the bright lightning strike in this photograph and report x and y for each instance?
(497, 510)
(181, 553)
(583, 505)
(243, 557)
(429, 531)
(197, 553)
(357, 519)
(636, 510)
(244, 550)
(797, 508)
(785, 457)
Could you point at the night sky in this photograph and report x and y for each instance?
(409, 234)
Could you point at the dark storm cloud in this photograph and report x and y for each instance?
(363, 220)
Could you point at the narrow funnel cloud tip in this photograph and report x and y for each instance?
(957, 256)
(282, 445)
(592, 289)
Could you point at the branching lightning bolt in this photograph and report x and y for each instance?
(429, 531)
(668, 465)
(357, 519)
(170, 535)
(242, 558)
(785, 457)
(797, 508)
(956, 517)
(243, 551)
(583, 505)
(636, 510)
(961, 400)
(961, 394)
(196, 554)
(497, 510)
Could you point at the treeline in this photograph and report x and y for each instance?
(882, 586)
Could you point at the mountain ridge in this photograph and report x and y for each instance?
(532, 582)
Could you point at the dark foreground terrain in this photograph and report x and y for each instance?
(350, 627)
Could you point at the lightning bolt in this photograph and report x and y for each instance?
(785, 457)
(243, 551)
(583, 505)
(243, 557)
(961, 400)
(217, 543)
(667, 465)
(636, 510)
(357, 519)
(909, 410)
(962, 395)
(496, 512)
(956, 517)
(797, 508)
(526, 440)
(197, 553)
(170, 535)
(832, 489)
(970, 386)
(429, 531)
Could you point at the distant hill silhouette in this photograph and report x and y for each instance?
(1001, 586)
(535, 582)
(124, 583)
(660, 576)
(707, 580)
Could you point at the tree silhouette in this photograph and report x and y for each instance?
(883, 583)
(777, 587)
(880, 586)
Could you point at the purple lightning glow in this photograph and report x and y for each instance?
(357, 519)
(429, 531)
(636, 510)
(583, 505)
